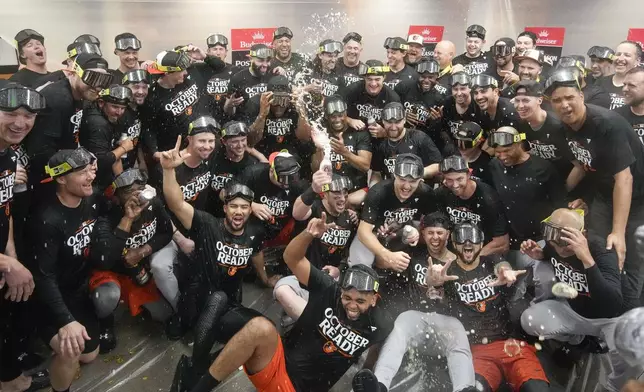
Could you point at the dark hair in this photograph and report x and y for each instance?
(436, 219)
(638, 48)
(530, 35)
(635, 70)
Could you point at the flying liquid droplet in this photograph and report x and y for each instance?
(484, 341)
(542, 338)
(537, 346)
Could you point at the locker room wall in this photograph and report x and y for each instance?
(160, 24)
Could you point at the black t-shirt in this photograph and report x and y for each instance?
(615, 92)
(413, 142)
(480, 168)
(130, 124)
(348, 74)
(363, 106)
(355, 141)
(27, 77)
(417, 287)
(332, 247)
(452, 119)
(295, 64)
(412, 95)
(331, 82)
(529, 191)
(594, 94)
(482, 309)
(8, 166)
(117, 75)
(505, 116)
(636, 121)
(484, 209)
(549, 142)
(195, 183)
(279, 132)
(406, 74)
(247, 85)
(51, 77)
(224, 258)
(217, 89)
(99, 137)
(606, 145)
(381, 204)
(223, 170)
(323, 343)
(482, 64)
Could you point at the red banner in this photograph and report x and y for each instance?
(549, 36)
(636, 35)
(431, 34)
(243, 39)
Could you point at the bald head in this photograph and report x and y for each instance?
(444, 53)
(565, 217)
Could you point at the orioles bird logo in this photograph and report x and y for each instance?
(480, 306)
(332, 249)
(189, 111)
(86, 252)
(329, 348)
(232, 271)
(338, 165)
(280, 139)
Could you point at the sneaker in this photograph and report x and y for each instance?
(366, 381)
(184, 377)
(106, 339)
(39, 380)
(174, 329)
(563, 290)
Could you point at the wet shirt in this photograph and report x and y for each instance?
(323, 343)
(419, 102)
(452, 119)
(381, 204)
(407, 73)
(333, 246)
(482, 64)
(484, 209)
(363, 106)
(60, 254)
(614, 92)
(594, 94)
(224, 258)
(599, 292)
(8, 166)
(330, 82)
(417, 288)
(247, 85)
(295, 64)
(505, 116)
(223, 170)
(635, 120)
(480, 168)
(27, 77)
(99, 137)
(355, 141)
(279, 132)
(349, 75)
(217, 89)
(529, 192)
(130, 125)
(195, 183)
(413, 142)
(606, 145)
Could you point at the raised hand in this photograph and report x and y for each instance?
(318, 226)
(506, 276)
(172, 158)
(437, 274)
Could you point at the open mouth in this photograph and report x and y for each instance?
(481, 102)
(353, 314)
(238, 220)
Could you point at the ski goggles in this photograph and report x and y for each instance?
(281, 99)
(562, 77)
(128, 43)
(262, 53)
(84, 47)
(282, 32)
(335, 107)
(601, 52)
(461, 78)
(476, 31)
(365, 70)
(203, 124)
(234, 129)
(331, 47)
(136, 76)
(338, 184)
(289, 178)
(93, 78)
(552, 232)
(88, 38)
(217, 39)
(483, 80)
(117, 94)
(464, 141)
(430, 67)
(467, 233)
(130, 177)
(78, 159)
(504, 139)
(15, 97)
(393, 114)
(393, 43)
(360, 280)
(453, 164)
(26, 34)
(503, 50)
(239, 190)
(183, 62)
(408, 169)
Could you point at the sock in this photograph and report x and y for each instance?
(206, 384)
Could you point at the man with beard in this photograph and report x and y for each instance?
(61, 232)
(593, 93)
(460, 106)
(503, 51)
(474, 60)
(601, 60)
(226, 248)
(496, 111)
(366, 98)
(466, 199)
(291, 62)
(416, 315)
(529, 67)
(398, 70)
(633, 111)
(469, 139)
(19, 107)
(229, 162)
(526, 40)
(321, 81)
(249, 82)
(33, 55)
(127, 48)
(401, 140)
(59, 128)
(99, 133)
(218, 83)
(339, 323)
(475, 293)
(612, 155)
(351, 150)
(415, 47)
(627, 57)
(138, 81)
(347, 65)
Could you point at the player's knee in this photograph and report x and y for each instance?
(261, 327)
(89, 357)
(534, 386)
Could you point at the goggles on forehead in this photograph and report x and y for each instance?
(571, 62)
(431, 67)
(262, 53)
(331, 47)
(203, 124)
(483, 80)
(552, 232)
(84, 47)
(601, 52)
(129, 177)
(281, 99)
(464, 142)
(467, 233)
(392, 43)
(28, 34)
(365, 70)
(93, 78)
(77, 160)
(136, 76)
(128, 43)
(89, 39)
(503, 50)
(359, 280)
(562, 77)
(238, 190)
(504, 139)
(217, 39)
(335, 107)
(283, 32)
(14, 97)
(116, 94)
(289, 178)
(234, 129)
(338, 184)
(409, 169)
(475, 30)
(183, 62)
(393, 114)
(461, 78)
(454, 163)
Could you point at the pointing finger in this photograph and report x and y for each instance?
(178, 145)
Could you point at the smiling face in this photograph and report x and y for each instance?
(336, 121)
(352, 50)
(78, 183)
(237, 213)
(625, 58)
(473, 46)
(260, 66)
(527, 106)
(524, 43)
(356, 303)
(282, 47)
(427, 81)
(509, 155)
(15, 125)
(436, 238)
(529, 70)
(404, 187)
(373, 84)
(456, 182)
(201, 144)
(129, 58)
(337, 201)
(485, 96)
(414, 53)
(395, 57)
(600, 67)
(139, 92)
(634, 89)
(235, 145)
(112, 111)
(394, 128)
(328, 60)
(462, 94)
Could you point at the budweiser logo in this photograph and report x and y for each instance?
(258, 35)
(544, 34)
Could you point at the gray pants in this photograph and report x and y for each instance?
(435, 333)
(162, 265)
(292, 282)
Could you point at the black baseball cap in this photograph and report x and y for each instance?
(91, 61)
(278, 83)
(530, 88)
(261, 51)
(67, 161)
(475, 30)
(284, 163)
(352, 36)
(281, 32)
(469, 130)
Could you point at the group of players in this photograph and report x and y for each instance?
(476, 207)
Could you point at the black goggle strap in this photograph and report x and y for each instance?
(129, 177)
(128, 43)
(465, 233)
(14, 97)
(331, 47)
(239, 190)
(396, 113)
(116, 94)
(84, 47)
(454, 163)
(360, 281)
(79, 158)
(235, 129)
(136, 76)
(217, 39)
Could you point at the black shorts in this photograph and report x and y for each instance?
(83, 312)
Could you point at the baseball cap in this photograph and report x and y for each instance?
(284, 163)
(415, 39)
(352, 36)
(91, 60)
(476, 31)
(503, 47)
(261, 51)
(282, 32)
(125, 41)
(278, 83)
(170, 61)
(67, 161)
(23, 36)
(532, 54)
(409, 165)
(469, 130)
(530, 88)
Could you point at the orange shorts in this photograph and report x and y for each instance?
(133, 295)
(492, 362)
(273, 378)
(284, 236)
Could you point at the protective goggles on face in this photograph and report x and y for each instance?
(262, 53)
(136, 76)
(235, 129)
(601, 52)
(365, 70)
(504, 139)
(116, 94)
(454, 164)
(128, 43)
(393, 114)
(28, 34)
(77, 160)
(430, 67)
(282, 32)
(467, 233)
(562, 77)
(393, 43)
(335, 107)
(409, 169)
(93, 78)
(217, 39)
(338, 185)
(281, 99)
(14, 97)
(463, 142)
(359, 280)
(289, 178)
(503, 50)
(239, 190)
(203, 124)
(461, 78)
(129, 177)
(183, 62)
(483, 80)
(84, 47)
(331, 47)
(552, 232)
